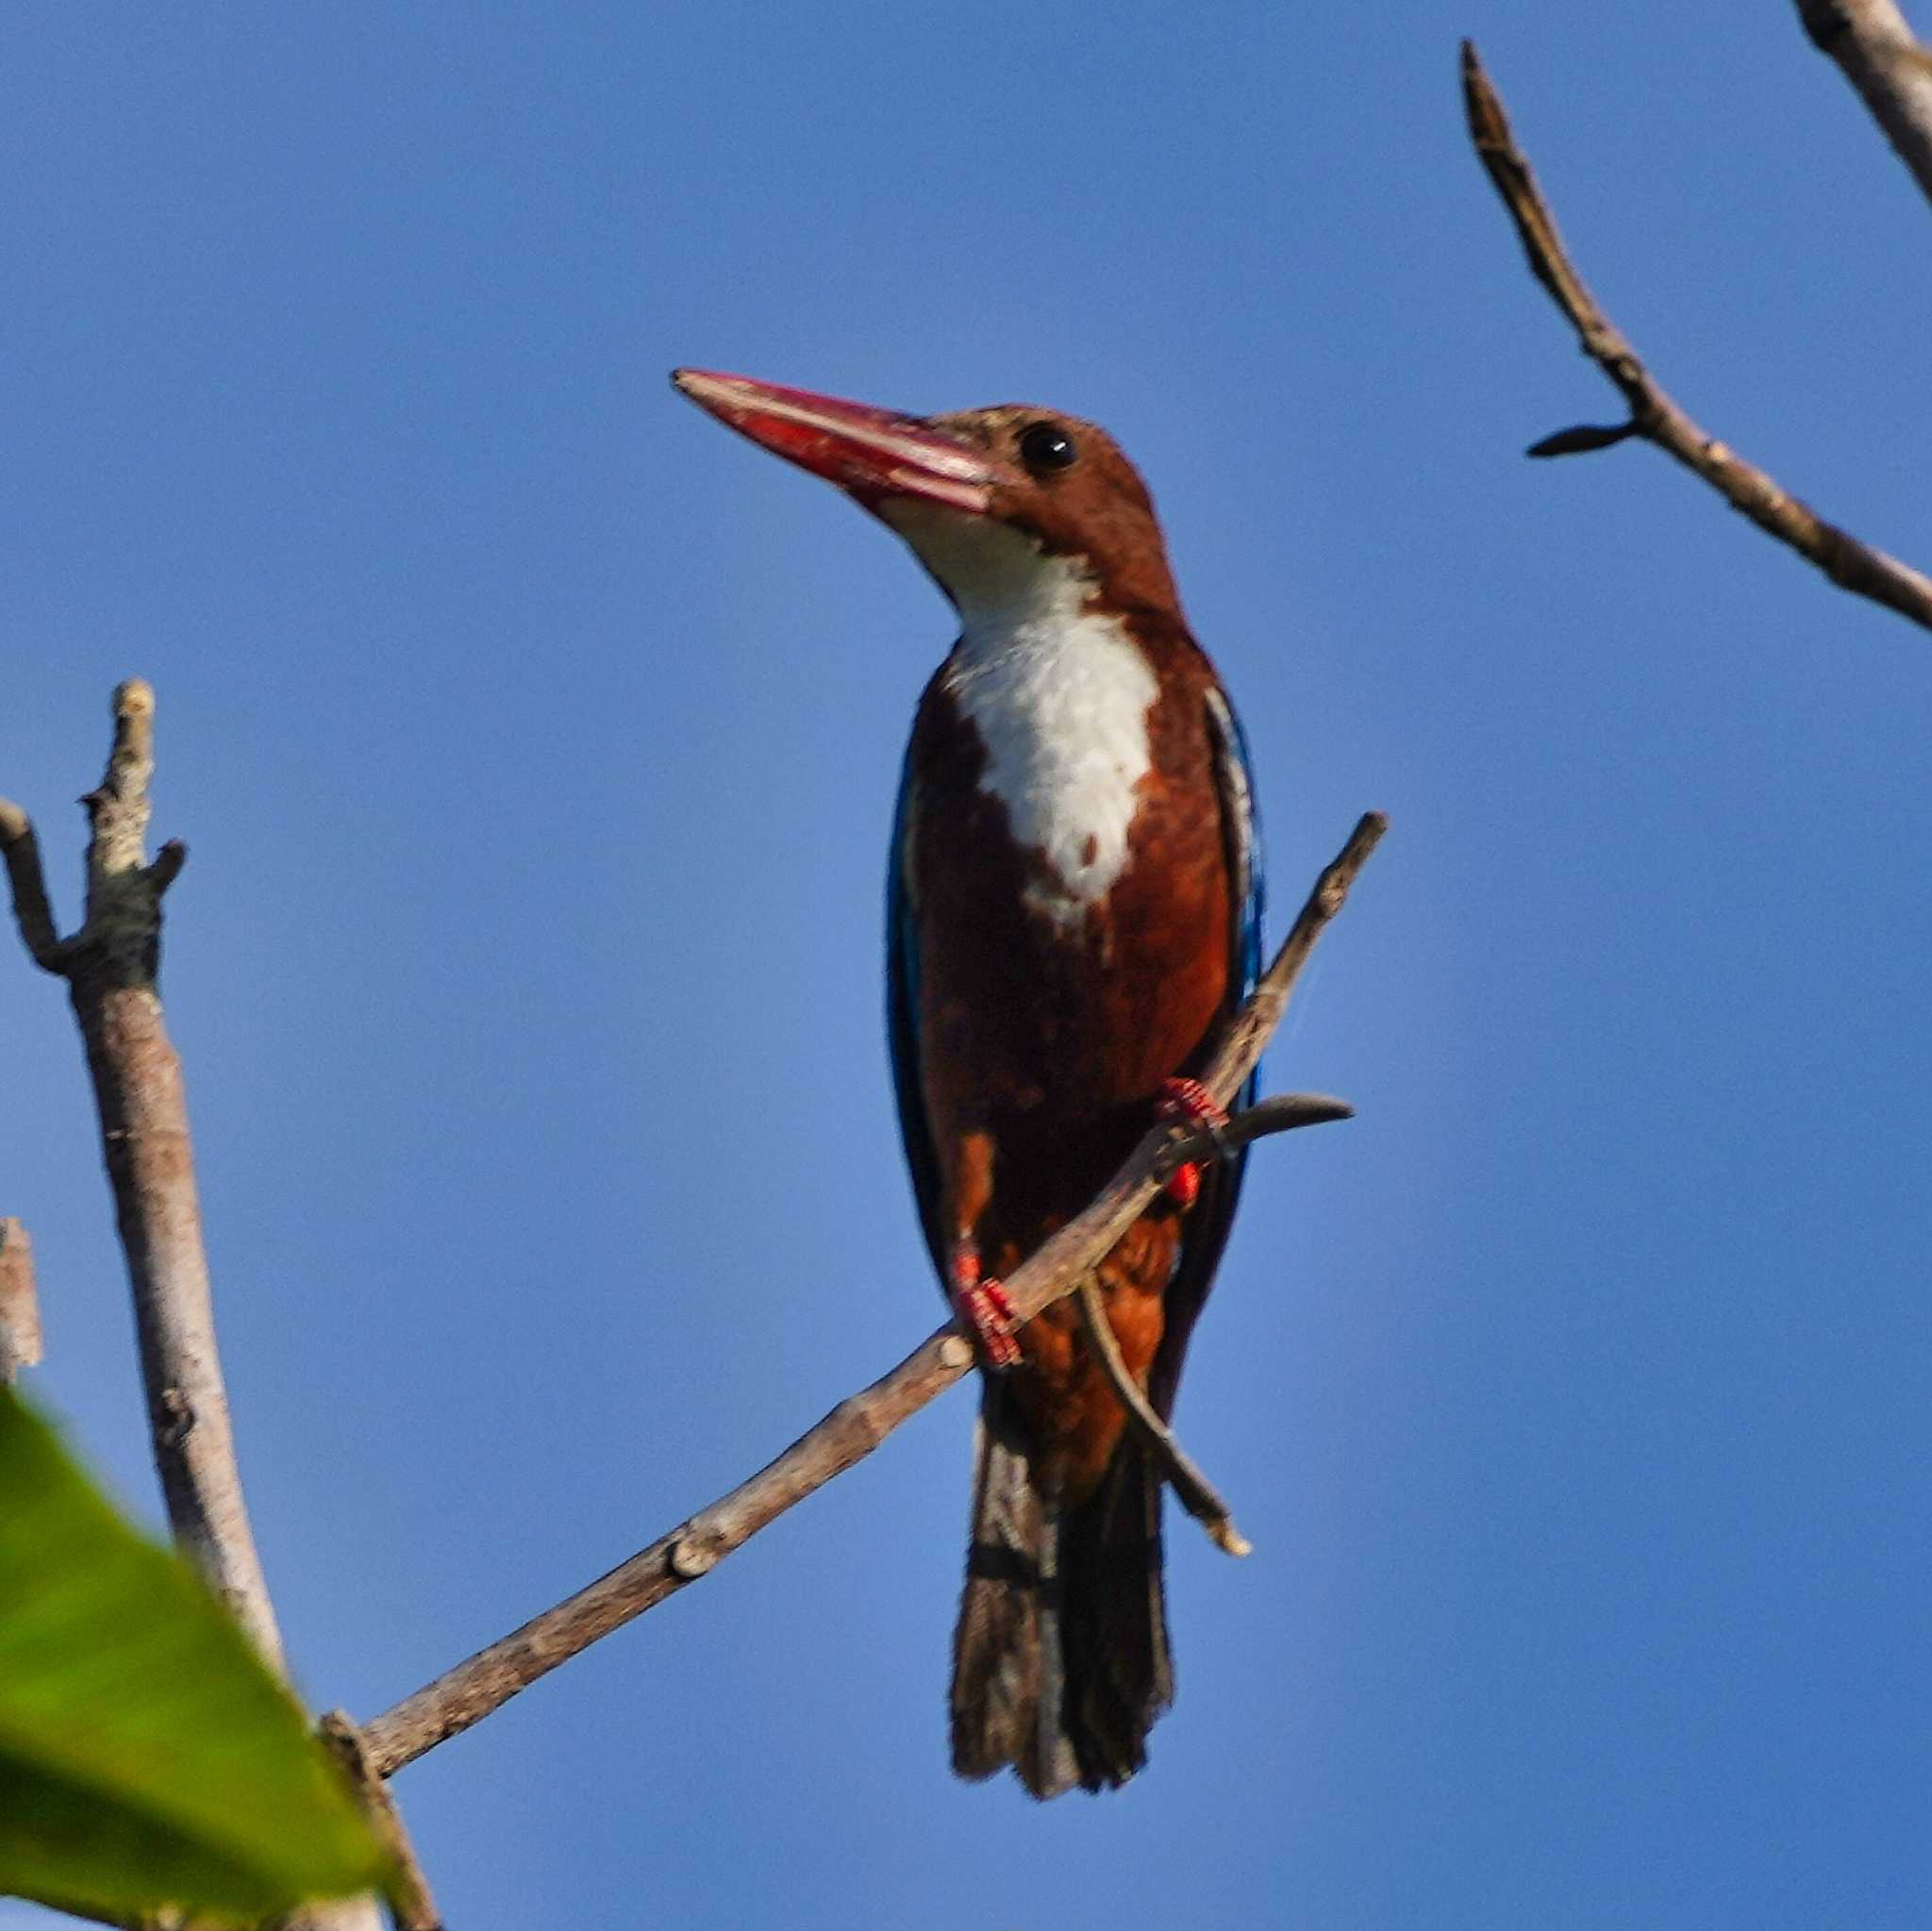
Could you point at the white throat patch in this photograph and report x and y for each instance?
(1058, 695)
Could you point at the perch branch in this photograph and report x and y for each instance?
(20, 1307)
(1655, 416)
(469, 1692)
(1875, 51)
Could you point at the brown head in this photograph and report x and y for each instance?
(974, 493)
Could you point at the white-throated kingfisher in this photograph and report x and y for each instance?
(1073, 912)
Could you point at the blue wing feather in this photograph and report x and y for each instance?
(902, 1026)
(1220, 1184)
(1255, 892)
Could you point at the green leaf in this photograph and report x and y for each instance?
(147, 1756)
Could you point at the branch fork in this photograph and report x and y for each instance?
(1655, 416)
(111, 964)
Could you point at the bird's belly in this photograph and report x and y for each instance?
(1054, 1037)
(1049, 1022)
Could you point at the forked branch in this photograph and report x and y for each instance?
(468, 1693)
(1178, 1469)
(411, 1905)
(1654, 417)
(111, 966)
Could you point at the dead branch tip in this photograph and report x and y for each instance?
(1655, 416)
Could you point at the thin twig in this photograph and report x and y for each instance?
(1655, 416)
(411, 1905)
(31, 910)
(20, 1306)
(1178, 1469)
(469, 1692)
(1893, 73)
(1277, 1113)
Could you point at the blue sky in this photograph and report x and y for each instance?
(536, 742)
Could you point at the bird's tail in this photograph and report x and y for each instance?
(1061, 1662)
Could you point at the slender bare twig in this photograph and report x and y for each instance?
(469, 1692)
(411, 1905)
(1654, 417)
(1892, 70)
(20, 1306)
(111, 966)
(31, 911)
(1178, 1469)
(1277, 1113)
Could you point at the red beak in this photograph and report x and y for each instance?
(869, 453)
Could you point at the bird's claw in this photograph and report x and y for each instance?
(1188, 1103)
(989, 1314)
(985, 1308)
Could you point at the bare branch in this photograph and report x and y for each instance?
(111, 966)
(20, 1307)
(1892, 72)
(411, 1905)
(1851, 564)
(1277, 1113)
(467, 1693)
(1178, 1469)
(1182, 1474)
(31, 911)
(1254, 1026)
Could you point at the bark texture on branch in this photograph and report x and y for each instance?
(1876, 52)
(111, 966)
(20, 1306)
(1175, 1465)
(1178, 1470)
(411, 1908)
(1655, 416)
(468, 1693)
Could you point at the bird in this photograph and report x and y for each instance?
(1073, 912)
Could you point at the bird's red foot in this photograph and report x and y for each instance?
(1189, 1102)
(989, 1314)
(985, 1308)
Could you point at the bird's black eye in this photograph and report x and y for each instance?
(1046, 446)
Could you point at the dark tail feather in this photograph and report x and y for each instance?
(1061, 1662)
